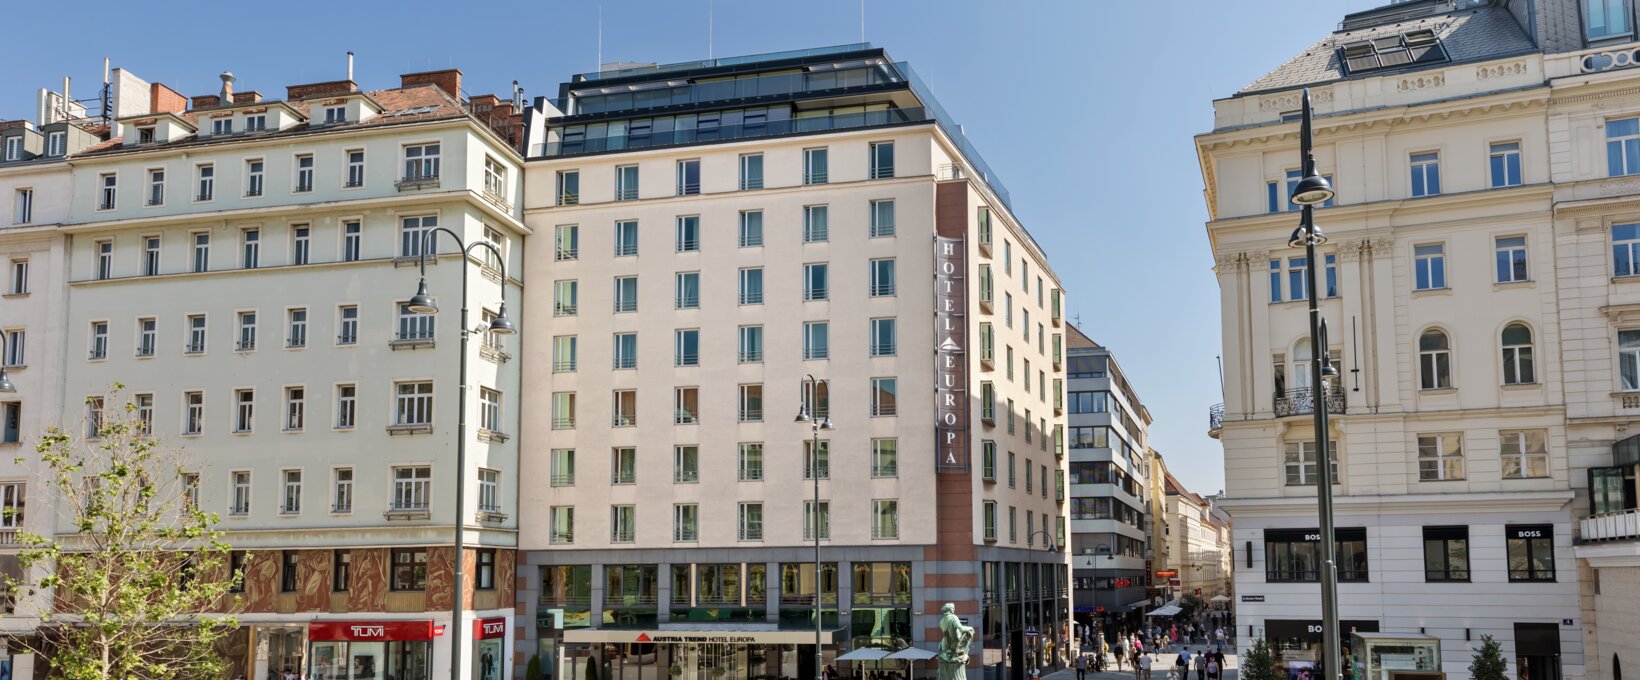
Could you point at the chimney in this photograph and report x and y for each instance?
(310, 90)
(162, 99)
(250, 97)
(206, 101)
(350, 64)
(227, 86)
(448, 80)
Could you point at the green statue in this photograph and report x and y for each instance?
(955, 639)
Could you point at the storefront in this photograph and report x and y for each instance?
(489, 641)
(371, 650)
(1297, 643)
(728, 652)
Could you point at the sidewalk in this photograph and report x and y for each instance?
(1160, 664)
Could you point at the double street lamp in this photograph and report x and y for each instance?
(1312, 190)
(422, 303)
(818, 420)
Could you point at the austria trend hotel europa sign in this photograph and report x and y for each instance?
(951, 360)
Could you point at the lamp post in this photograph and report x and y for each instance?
(5, 382)
(1106, 550)
(817, 421)
(1312, 189)
(422, 303)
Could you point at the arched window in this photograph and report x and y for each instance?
(1517, 355)
(1434, 361)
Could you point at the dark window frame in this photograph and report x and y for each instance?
(1281, 564)
(484, 572)
(1444, 537)
(417, 570)
(341, 571)
(289, 576)
(1532, 537)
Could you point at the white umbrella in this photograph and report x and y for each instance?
(863, 654)
(913, 654)
(1169, 610)
(1220, 598)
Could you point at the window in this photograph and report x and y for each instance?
(495, 177)
(563, 467)
(751, 462)
(751, 228)
(817, 465)
(626, 183)
(105, 260)
(256, 123)
(485, 578)
(147, 336)
(751, 171)
(626, 238)
(1300, 462)
(685, 405)
(987, 342)
(57, 143)
(414, 325)
(1517, 355)
(1426, 174)
(885, 519)
(1628, 355)
(413, 233)
(412, 487)
(1008, 309)
(1531, 550)
(986, 294)
(19, 277)
(623, 465)
(489, 409)
(882, 277)
(1030, 487)
(814, 281)
(685, 464)
(688, 234)
(751, 523)
(566, 243)
(882, 337)
(564, 354)
(815, 399)
(569, 187)
(251, 248)
(1296, 281)
(882, 218)
(190, 490)
(564, 296)
(346, 406)
(1013, 473)
(240, 498)
(304, 170)
(14, 148)
(297, 321)
(291, 501)
(156, 187)
(688, 177)
(109, 184)
(355, 169)
(812, 519)
(341, 568)
(685, 522)
(626, 294)
(244, 410)
(1013, 524)
(562, 522)
(815, 340)
(751, 344)
(563, 410)
(1440, 457)
(409, 569)
(413, 403)
(295, 408)
(1446, 554)
(884, 399)
(882, 160)
(99, 344)
(196, 334)
(222, 126)
(988, 460)
(202, 251)
(751, 286)
(885, 461)
(25, 207)
(1511, 258)
(814, 166)
(1434, 361)
(489, 490)
(247, 332)
(1293, 555)
(623, 523)
(987, 402)
(1504, 161)
(1606, 18)
(624, 408)
(1525, 453)
(626, 350)
(253, 178)
(193, 412)
(1623, 147)
(1010, 361)
(347, 325)
(1626, 250)
(421, 162)
(814, 224)
(686, 294)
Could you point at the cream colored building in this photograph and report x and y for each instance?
(703, 260)
(1198, 543)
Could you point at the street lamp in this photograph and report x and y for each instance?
(5, 382)
(1310, 191)
(817, 421)
(422, 303)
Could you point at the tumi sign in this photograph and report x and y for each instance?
(366, 631)
(489, 629)
(951, 353)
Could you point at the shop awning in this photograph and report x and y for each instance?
(1136, 604)
(1168, 610)
(755, 634)
(864, 654)
(913, 654)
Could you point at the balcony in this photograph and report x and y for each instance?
(408, 511)
(1301, 401)
(1611, 526)
(1215, 420)
(413, 182)
(729, 132)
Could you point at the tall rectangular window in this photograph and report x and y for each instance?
(341, 490)
(883, 337)
(1531, 551)
(751, 286)
(885, 519)
(815, 166)
(297, 327)
(290, 502)
(882, 277)
(355, 169)
(347, 412)
(623, 465)
(561, 524)
(1504, 163)
(1429, 266)
(565, 296)
(816, 520)
(1510, 254)
(566, 243)
(688, 177)
(18, 284)
(1446, 554)
(882, 160)
(1623, 147)
(816, 340)
(563, 467)
(815, 281)
(885, 461)
(882, 218)
(156, 187)
(686, 290)
(1426, 174)
(489, 409)
(751, 344)
(300, 243)
(105, 259)
(623, 523)
(1626, 250)
(304, 173)
(247, 332)
(688, 234)
(57, 143)
(295, 409)
(193, 412)
(347, 325)
(569, 187)
(751, 228)
(250, 242)
(751, 521)
(564, 357)
(147, 336)
(685, 523)
(244, 415)
(626, 183)
(239, 502)
(1525, 453)
(750, 408)
(815, 229)
(1606, 19)
(563, 410)
(25, 207)
(884, 397)
(751, 171)
(109, 186)
(202, 251)
(751, 462)
(206, 179)
(352, 233)
(99, 344)
(150, 256)
(625, 351)
(686, 347)
(685, 464)
(253, 177)
(817, 459)
(685, 405)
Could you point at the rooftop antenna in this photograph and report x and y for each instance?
(597, 67)
(710, 5)
(862, 21)
(106, 90)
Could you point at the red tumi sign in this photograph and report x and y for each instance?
(368, 631)
(486, 629)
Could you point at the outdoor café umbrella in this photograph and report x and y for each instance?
(864, 654)
(1220, 598)
(912, 654)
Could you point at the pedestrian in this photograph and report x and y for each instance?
(1213, 667)
(1142, 667)
(1201, 665)
(1081, 667)
(1182, 664)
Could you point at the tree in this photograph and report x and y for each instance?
(1488, 663)
(133, 562)
(1260, 663)
(532, 670)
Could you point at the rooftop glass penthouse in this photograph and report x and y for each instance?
(757, 96)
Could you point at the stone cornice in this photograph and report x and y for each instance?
(1379, 118)
(1410, 504)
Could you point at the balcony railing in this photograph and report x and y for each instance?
(1611, 526)
(727, 132)
(1301, 401)
(1215, 417)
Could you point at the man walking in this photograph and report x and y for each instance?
(1081, 667)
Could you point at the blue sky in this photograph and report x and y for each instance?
(1085, 108)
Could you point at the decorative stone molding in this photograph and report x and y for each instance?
(1380, 246)
(1620, 187)
(1290, 100)
(1423, 82)
(1609, 60)
(1353, 249)
(1489, 71)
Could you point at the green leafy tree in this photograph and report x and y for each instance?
(1488, 663)
(532, 670)
(1260, 663)
(133, 582)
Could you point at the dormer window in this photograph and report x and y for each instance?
(256, 123)
(14, 148)
(222, 126)
(335, 114)
(145, 135)
(1393, 51)
(1606, 19)
(57, 143)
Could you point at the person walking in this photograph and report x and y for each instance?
(1141, 667)
(1214, 666)
(1201, 664)
(1181, 664)
(1081, 667)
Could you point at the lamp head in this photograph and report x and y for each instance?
(5, 383)
(802, 415)
(421, 302)
(825, 422)
(1305, 236)
(1313, 189)
(501, 324)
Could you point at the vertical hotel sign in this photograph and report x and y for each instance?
(951, 353)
